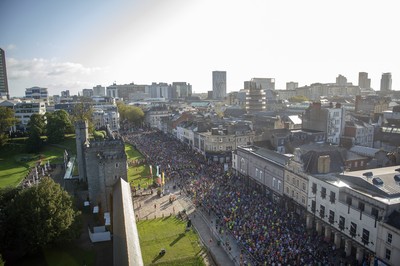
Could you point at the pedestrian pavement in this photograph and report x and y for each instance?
(150, 206)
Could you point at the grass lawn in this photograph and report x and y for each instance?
(56, 153)
(12, 168)
(182, 248)
(132, 153)
(68, 255)
(137, 174)
(15, 162)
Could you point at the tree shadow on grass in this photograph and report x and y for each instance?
(176, 239)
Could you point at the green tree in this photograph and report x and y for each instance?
(134, 114)
(83, 111)
(99, 135)
(37, 216)
(7, 120)
(7, 228)
(58, 124)
(130, 114)
(36, 128)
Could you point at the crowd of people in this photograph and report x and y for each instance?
(269, 233)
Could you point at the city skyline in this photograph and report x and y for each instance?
(80, 44)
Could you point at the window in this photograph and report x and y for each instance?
(297, 181)
(365, 236)
(349, 200)
(304, 186)
(323, 192)
(332, 197)
(353, 229)
(374, 212)
(287, 190)
(331, 217)
(292, 193)
(342, 222)
(388, 254)
(322, 211)
(313, 206)
(279, 184)
(116, 165)
(389, 238)
(273, 181)
(303, 199)
(314, 188)
(361, 205)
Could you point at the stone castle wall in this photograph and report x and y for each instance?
(106, 162)
(82, 136)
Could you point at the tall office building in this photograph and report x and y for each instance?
(65, 94)
(292, 85)
(159, 90)
(219, 84)
(341, 80)
(265, 83)
(4, 93)
(181, 90)
(386, 82)
(37, 93)
(363, 81)
(255, 97)
(99, 91)
(87, 93)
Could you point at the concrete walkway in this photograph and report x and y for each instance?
(150, 206)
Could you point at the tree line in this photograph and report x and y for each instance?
(54, 125)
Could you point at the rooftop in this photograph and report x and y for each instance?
(364, 151)
(366, 180)
(269, 155)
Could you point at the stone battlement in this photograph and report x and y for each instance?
(106, 143)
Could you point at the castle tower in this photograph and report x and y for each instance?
(82, 138)
(106, 163)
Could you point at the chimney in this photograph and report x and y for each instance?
(324, 163)
(317, 105)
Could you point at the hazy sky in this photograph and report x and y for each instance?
(77, 44)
